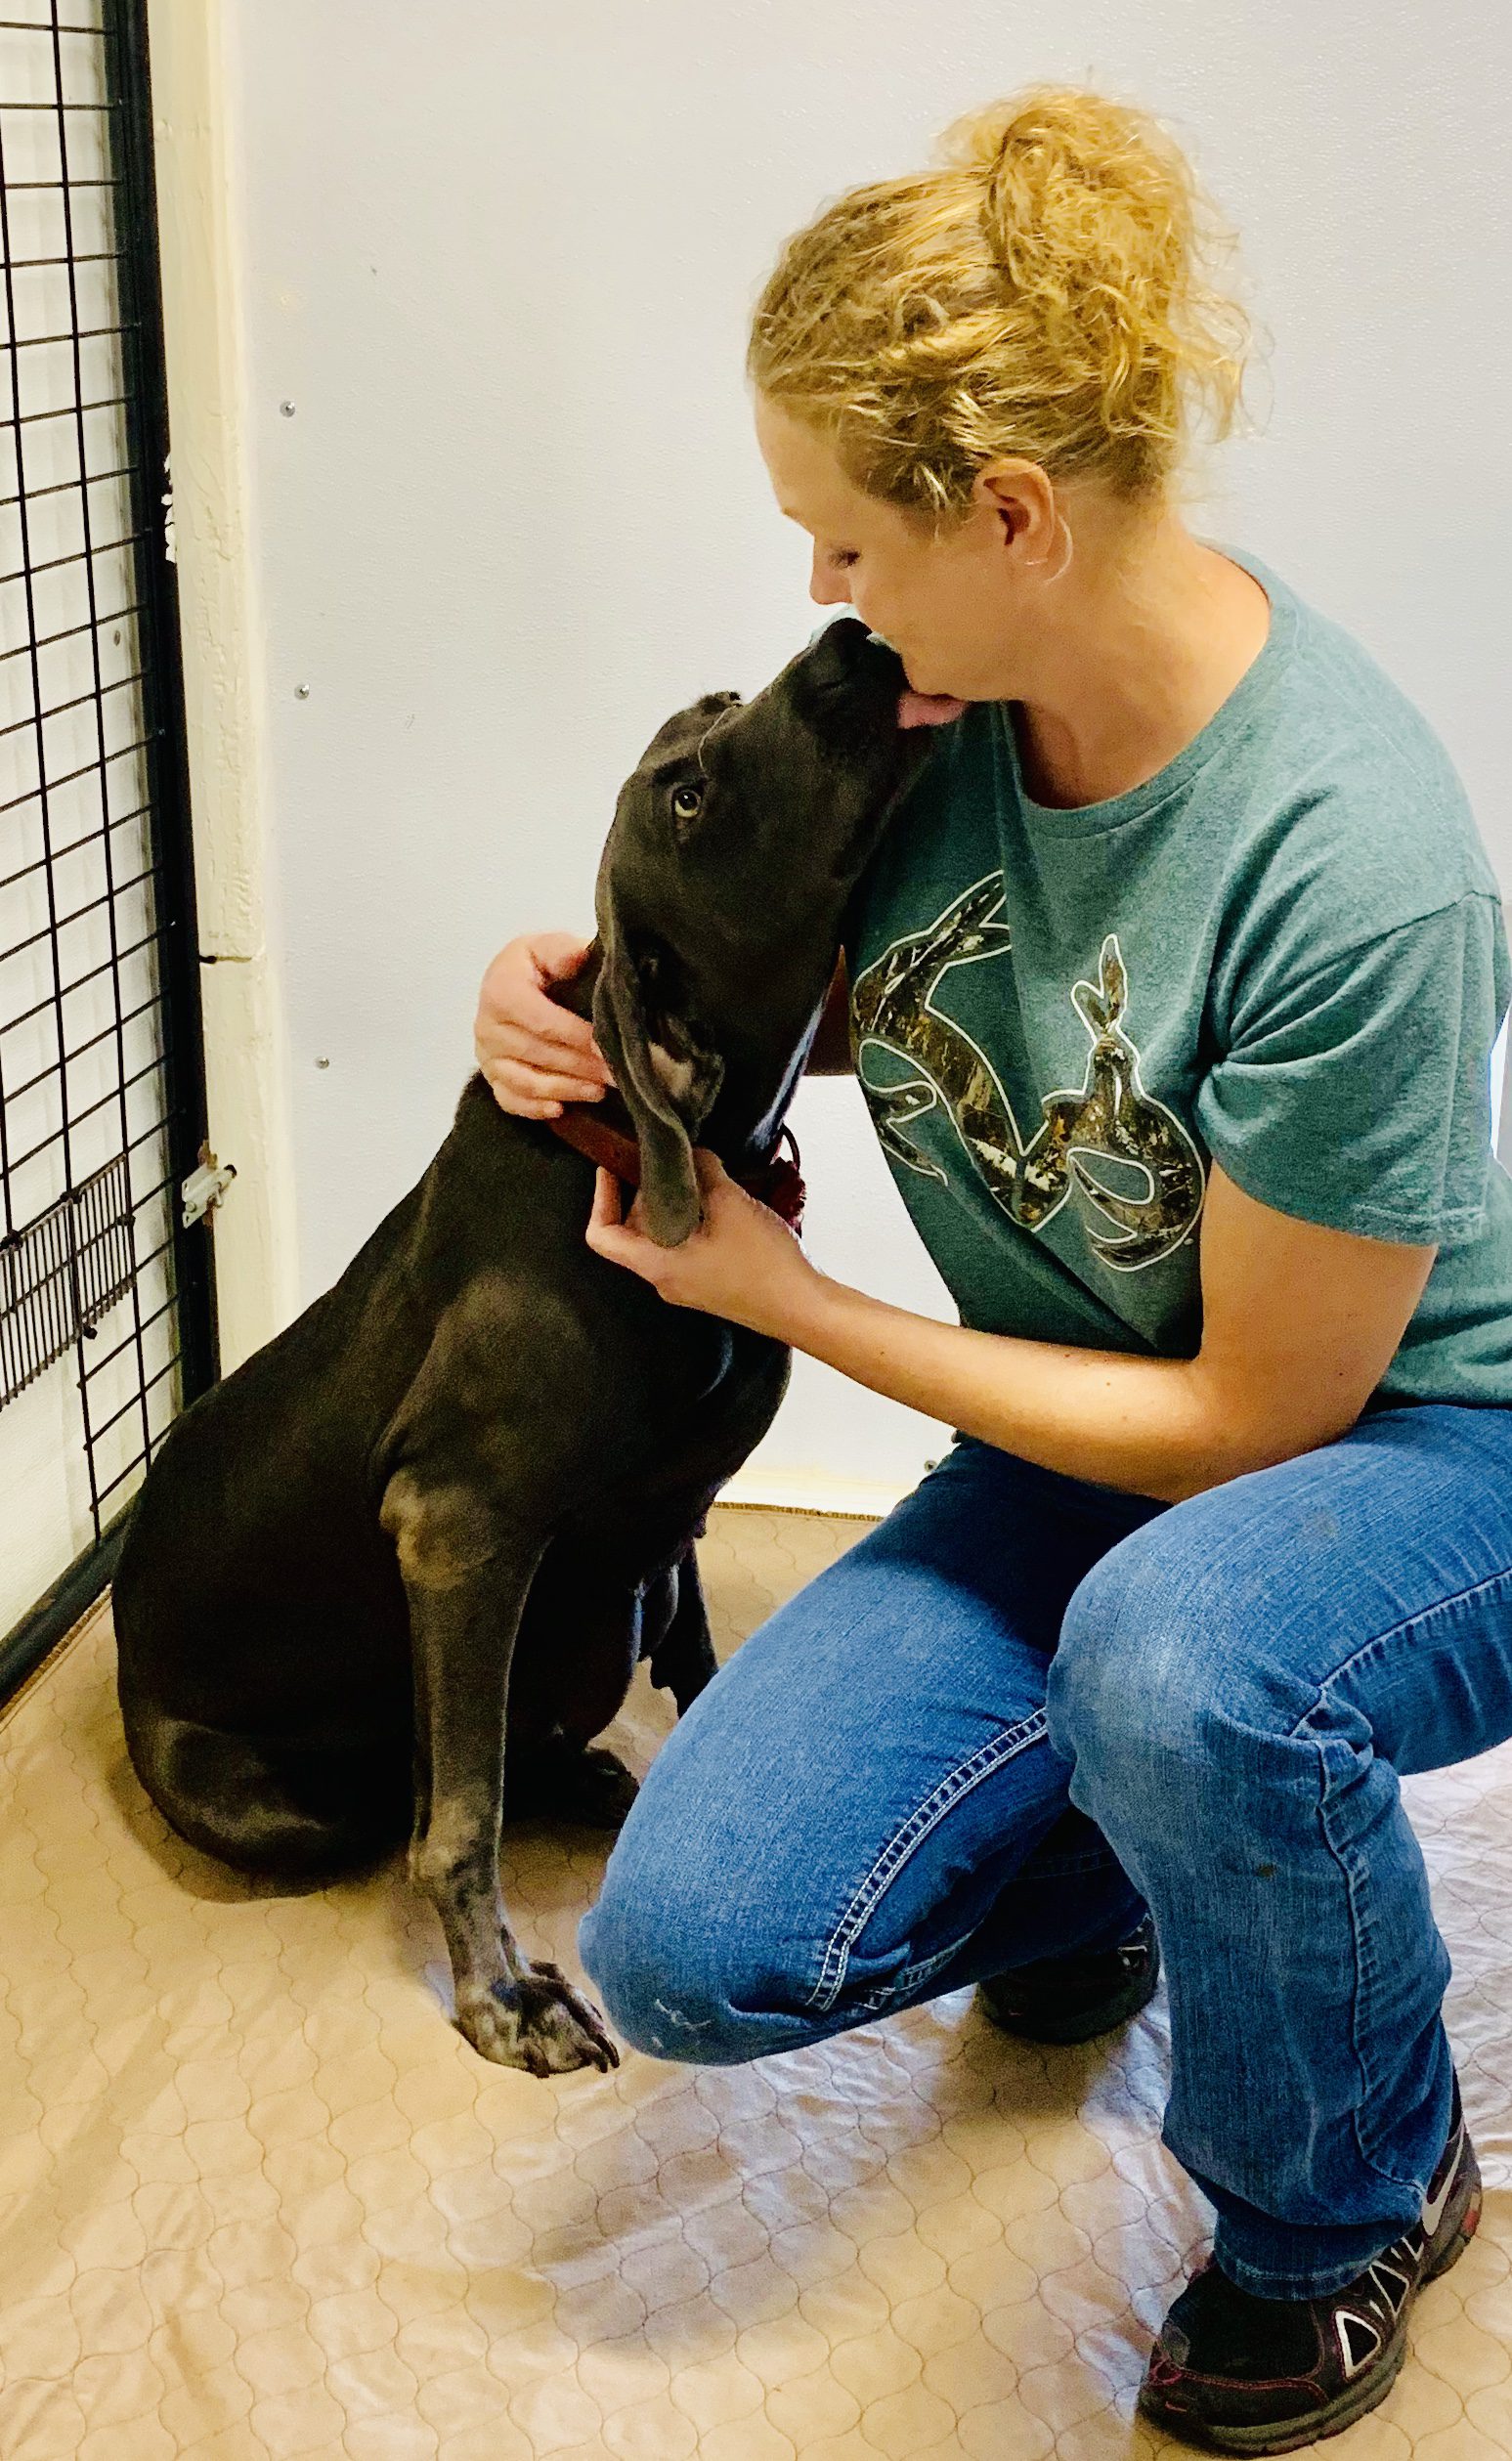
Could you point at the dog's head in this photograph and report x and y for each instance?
(736, 843)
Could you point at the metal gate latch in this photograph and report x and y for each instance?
(204, 1189)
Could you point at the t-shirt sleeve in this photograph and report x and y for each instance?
(1359, 1097)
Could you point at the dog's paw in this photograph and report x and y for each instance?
(562, 1781)
(541, 2023)
(598, 1790)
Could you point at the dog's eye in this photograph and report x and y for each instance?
(687, 801)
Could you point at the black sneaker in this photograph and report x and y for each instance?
(1070, 1998)
(1234, 2373)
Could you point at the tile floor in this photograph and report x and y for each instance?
(258, 2200)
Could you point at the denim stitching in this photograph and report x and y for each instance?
(957, 1782)
(1440, 1605)
(893, 1994)
(1065, 1866)
(1347, 1861)
(1365, 1975)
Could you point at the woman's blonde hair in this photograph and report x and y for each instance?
(1044, 292)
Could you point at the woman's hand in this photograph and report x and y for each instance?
(743, 1263)
(536, 1055)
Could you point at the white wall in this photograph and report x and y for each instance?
(500, 261)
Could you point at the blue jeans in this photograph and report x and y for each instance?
(1025, 1707)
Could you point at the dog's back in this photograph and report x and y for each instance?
(259, 1616)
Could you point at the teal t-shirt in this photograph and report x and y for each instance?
(1284, 953)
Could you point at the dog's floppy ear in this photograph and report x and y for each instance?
(668, 1185)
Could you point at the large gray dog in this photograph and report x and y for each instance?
(467, 1480)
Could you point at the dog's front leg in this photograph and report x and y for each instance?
(467, 1572)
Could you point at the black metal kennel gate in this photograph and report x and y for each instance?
(106, 1322)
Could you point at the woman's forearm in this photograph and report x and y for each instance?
(1146, 1425)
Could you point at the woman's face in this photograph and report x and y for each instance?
(951, 603)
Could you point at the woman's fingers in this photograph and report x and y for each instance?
(520, 1107)
(575, 1064)
(556, 956)
(539, 1018)
(536, 1055)
(524, 1082)
(606, 1214)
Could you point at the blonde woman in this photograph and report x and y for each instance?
(1171, 993)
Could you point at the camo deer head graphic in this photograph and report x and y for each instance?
(1109, 1119)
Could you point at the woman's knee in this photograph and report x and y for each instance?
(1163, 1658)
(688, 1964)
(657, 1978)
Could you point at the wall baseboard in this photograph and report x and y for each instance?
(813, 1492)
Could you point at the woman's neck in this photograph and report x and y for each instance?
(1149, 649)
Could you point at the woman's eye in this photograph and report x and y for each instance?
(843, 558)
(687, 802)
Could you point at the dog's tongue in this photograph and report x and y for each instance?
(927, 709)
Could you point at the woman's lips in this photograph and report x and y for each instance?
(929, 709)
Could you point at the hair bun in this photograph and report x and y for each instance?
(984, 139)
(1044, 292)
(1069, 174)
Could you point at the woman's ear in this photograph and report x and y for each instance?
(1017, 492)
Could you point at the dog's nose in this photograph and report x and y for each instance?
(847, 637)
(851, 649)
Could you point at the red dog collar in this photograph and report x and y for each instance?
(777, 1183)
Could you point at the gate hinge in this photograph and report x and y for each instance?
(204, 1189)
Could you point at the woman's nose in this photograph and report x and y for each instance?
(826, 586)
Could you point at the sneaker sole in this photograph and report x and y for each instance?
(1367, 2391)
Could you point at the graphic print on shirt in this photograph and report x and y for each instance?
(1109, 1118)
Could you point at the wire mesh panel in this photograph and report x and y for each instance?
(104, 1300)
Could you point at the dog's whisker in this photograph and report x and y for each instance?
(710, 730)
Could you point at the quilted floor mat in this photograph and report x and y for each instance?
(258, 2200)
